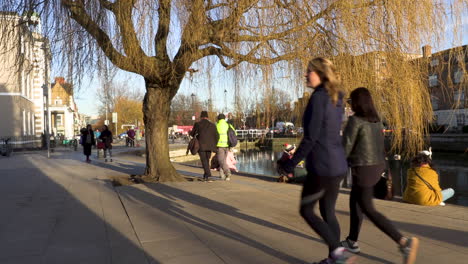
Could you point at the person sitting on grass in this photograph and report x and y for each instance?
(422, 183)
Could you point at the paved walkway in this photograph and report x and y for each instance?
(61, 210)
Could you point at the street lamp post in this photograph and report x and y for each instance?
(193, 106)
(225, 100)
(45, 87)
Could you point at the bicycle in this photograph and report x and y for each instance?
(5, 147)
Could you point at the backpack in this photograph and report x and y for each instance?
(232, 137)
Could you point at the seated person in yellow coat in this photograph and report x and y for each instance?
(422, 183)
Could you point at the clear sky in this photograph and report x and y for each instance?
(222, 80)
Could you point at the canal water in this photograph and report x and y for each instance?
(451, 167)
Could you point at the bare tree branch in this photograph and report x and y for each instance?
(78, 13)
(234, 37)
(107, 4)
(123, 14)
(160, 40)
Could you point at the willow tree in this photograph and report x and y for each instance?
(163, 40)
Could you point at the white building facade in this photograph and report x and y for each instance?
(23, 74)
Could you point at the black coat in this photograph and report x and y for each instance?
(364, 142)
(106, 137)
(84, 134)
(322, 144)
(207, 135)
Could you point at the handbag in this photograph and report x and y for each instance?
(100, 145)
(384, 187)
(193, 146)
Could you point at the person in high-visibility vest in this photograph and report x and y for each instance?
(223, 147)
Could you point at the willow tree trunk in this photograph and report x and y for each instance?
(156, 110)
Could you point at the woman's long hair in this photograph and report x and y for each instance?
(326, 71)
(363, 105)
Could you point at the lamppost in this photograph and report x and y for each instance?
(225, 100)
(45, 88)
(193, 106)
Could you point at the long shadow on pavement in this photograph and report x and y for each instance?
(168, 206)
(442, 234)
(42, 222)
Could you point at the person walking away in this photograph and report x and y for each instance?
(207, 135)
(131, 137)
(363, 140)
(106, 137)
(87, 141)
(325, 157)
(223, 147)
(422, 183)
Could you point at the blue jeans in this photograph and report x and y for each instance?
(447, 194)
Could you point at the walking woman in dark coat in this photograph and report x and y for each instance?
(87, 141)
(363, 139)
(325, 157)
(106, 137)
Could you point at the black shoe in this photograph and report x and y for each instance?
(351, 246)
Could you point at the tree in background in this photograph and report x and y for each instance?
(164, 40)
(122, 98)
(129, 111)
(183, 107)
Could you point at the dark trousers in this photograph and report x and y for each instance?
(360, 202)
(205, 161)
(87, 149)
(323, 190)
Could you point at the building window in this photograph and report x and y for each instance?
(24, 123)
(458, 76)
(433, 80)
(434, 62)
(33, 124)
(58, 101)
(28, 86)
(59, 120)
(22, 83)
(29, 124)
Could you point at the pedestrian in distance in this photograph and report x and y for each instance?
(363, 139)
(422, 183)
(87, 141)
(130, 138)
(106, 137)
(325, 157)
(207, 136)
(97, 133)
(223, 147)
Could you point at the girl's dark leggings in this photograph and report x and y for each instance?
(323, 190)
(360, 202)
